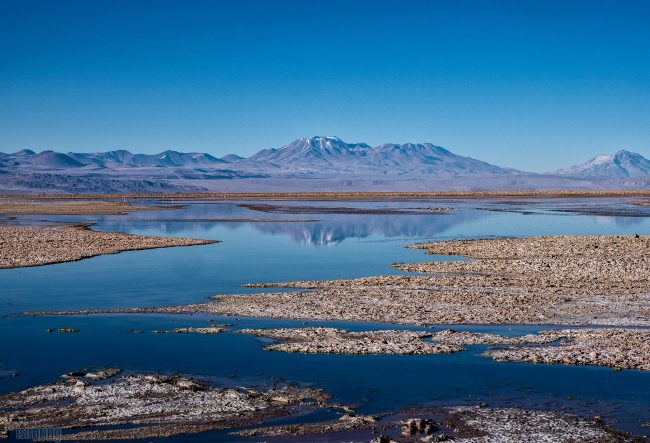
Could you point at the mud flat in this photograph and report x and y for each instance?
(71, 207)
(146, 406)
(36, 246)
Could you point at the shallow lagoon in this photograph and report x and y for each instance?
(336, 246)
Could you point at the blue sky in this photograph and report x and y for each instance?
(534, 85)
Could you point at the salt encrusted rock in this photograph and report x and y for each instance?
(513, 425)
(347, 422)
(616, 348)
(564, 264)
(146, 406)
(337, 341)
(450, 336)
(208, 330)
(98, 375)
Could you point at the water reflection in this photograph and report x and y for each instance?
(305, 229)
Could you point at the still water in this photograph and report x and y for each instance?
(312, 246)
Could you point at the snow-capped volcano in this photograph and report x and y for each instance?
(619, 165)
(332, 156)
(312, 151)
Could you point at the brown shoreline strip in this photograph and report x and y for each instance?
(33, 206)
(334, 196)
(43, 245)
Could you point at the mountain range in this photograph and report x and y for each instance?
(619, 165)
(331, 163)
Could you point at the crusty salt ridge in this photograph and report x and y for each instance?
(414, 300)
(347, 422)
(616, 348)
(540, 280)
(146, 406)
(43, 245)
(206, 331)
(337, 341)
(557, 264)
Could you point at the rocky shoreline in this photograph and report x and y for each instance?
(108, 405)
(43, 245)
(466, 424)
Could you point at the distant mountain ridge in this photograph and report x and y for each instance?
(321, 155)
(109, 159)
(312, 163)
(622, 164)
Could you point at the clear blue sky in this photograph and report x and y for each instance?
(529, 84)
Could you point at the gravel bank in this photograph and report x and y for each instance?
(36, 246)
(146, 406)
